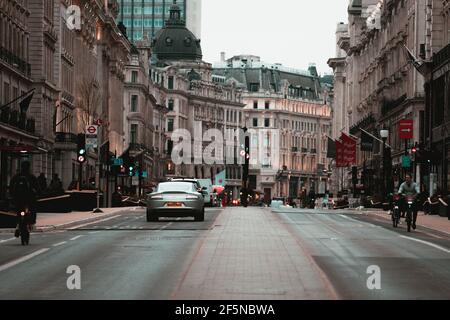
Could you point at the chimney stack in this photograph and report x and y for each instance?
(222, 57)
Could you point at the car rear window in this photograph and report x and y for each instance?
(176, 186)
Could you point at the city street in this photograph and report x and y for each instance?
(236, 253)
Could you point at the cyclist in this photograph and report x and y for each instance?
(410, 188)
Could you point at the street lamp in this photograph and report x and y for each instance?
(384, 134)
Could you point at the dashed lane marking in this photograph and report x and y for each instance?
(22, 259)
(59, 244)
(77, 237)
(6, 240)
(86, 224)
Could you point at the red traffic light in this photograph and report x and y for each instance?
(81, 159)
(414, 150)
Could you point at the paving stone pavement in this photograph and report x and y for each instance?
(250, 254)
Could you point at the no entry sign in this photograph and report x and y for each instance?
(406, 129)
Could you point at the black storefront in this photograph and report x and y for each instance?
(435, 152)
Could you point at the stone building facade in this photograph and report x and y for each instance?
(195, 103)
(377, 86)
(286, 112)
(17, 132)
(436, 147)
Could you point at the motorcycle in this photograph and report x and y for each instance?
(24, 225)
(396, 210)
(409, 210)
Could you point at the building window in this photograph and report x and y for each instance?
(254, 87)
(170, 104)
(171, 83)
(255, 104)
(134, 76)
(169, 146)
(134, 103)
(170, 125)
(255, 122)
(267, 122)
(133, 134)
(267, 105)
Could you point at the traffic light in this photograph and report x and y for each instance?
(131, 171)
(81, 148)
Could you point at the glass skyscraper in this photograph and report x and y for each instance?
(143, 18)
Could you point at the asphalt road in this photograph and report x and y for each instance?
(120, 258)
(345, 245)
(125, 257)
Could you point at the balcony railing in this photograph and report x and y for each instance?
(441, 57)
(392, 104)
(65, 137)
(14, 61)
(18, 120)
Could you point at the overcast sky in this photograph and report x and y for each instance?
(292, 32)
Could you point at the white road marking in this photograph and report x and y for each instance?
(23, 259)
(164, 227)
(86, 224)
(59, 244)
(432, 235)
(348, 218)
(77, 237)
(427, 243)
(6, 240)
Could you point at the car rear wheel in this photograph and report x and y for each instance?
(151, 217)
(200, 216)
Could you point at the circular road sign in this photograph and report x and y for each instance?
(92, 130)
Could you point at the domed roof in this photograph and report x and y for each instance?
(175, 41)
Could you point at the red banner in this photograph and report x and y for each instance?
(349, 149)
(406, 129)
(340, 155)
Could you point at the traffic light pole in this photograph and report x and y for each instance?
(97, 174)
(80, 175)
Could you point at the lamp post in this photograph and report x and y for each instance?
(384, 134)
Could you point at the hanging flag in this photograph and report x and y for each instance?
(366, 142)
(25, 103)
(220, 179)
(331, 149)
(349, 149)
(420, 65)
(340, 154)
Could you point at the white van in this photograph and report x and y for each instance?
(208, 196)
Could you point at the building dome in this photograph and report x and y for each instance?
(175, 41)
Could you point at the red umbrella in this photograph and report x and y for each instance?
(218, 189)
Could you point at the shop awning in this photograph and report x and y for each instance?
(21, 149)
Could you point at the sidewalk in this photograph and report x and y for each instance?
(53, 221)
(251, 254)
(433, 222)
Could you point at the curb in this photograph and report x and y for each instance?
(69, 224)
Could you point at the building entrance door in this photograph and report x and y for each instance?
(267, 195)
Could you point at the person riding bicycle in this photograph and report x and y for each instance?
(24, 190)
(410, 188)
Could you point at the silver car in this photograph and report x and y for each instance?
(175, 199)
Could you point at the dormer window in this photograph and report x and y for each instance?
(169, 41)
(188, 41)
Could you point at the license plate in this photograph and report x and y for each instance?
(174, 204)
